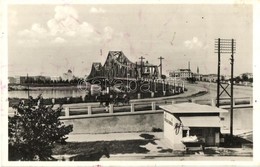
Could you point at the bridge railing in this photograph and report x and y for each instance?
(136, 106)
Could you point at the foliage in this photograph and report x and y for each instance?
(34, 130)
(191, 80)
(163, 77)
(244, 77)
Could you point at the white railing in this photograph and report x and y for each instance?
(132, 107)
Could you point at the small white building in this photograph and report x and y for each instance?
(181, 73)
(187, 123)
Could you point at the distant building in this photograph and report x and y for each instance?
(227, 77)
(181, 73)
(55, 78)
(197, 75)
(23, 79)
(14, 80)
(209, 78)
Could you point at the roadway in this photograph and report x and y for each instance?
(239, 91)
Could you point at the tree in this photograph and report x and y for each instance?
(163, 77)
(244, 77)
(250, 80)
(238, 79)
(34, 130)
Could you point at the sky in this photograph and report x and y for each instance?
(50, 39)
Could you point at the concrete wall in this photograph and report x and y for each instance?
(116, 123)
(243, 120)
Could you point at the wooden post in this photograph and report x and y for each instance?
(67, 111)
(132, 107)
(89, 110)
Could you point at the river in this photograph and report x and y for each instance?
(49, 93)
(239, 91)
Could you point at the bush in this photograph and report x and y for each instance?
(34, 130)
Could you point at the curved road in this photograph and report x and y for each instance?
(239, 91)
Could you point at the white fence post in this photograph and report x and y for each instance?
(89, 110)
(139, 96)
(213, 102)
(251, 101)
(111, 108)
(132, 107)
(153, 106)
(152, 94)
(67, 111)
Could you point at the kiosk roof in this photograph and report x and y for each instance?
(191, 108)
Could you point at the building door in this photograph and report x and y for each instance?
(210, 137)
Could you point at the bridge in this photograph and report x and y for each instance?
(117, 65)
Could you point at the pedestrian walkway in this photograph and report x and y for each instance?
(158, 148)
(110, 136)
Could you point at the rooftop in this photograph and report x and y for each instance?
(191, 108)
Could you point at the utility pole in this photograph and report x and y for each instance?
(218, 85)
(141, 65)
(28, 85)
(161, 58)
(232, 82)
(226, 46)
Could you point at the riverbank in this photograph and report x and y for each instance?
(43, 87)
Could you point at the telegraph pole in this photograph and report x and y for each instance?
(141, 65)
(232, 82)
(28, 85)
(161, 58)
(226, 46)
(218, 85)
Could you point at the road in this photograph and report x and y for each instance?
(175, 158)
(239, 91)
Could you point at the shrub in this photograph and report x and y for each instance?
(34, 130)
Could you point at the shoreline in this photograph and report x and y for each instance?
(32, 88)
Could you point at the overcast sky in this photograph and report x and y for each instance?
(50, 39)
